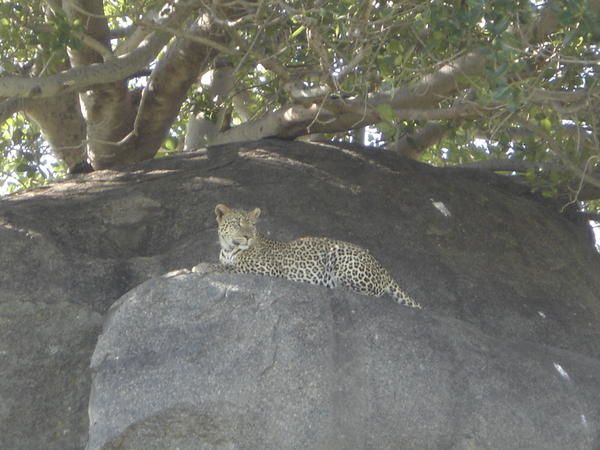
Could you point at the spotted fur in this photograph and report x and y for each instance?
(314, 260)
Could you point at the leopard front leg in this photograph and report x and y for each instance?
(205, 267)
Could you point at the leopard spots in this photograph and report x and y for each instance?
(314, 260)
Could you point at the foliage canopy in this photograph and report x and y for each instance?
(509, 86)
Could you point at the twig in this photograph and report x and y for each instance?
(575, 198)
(192, 37)
(95, 45)
(555, 148)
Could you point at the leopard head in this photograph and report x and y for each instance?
(237, 228)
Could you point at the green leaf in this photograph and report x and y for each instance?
(22, 167)
(298, 31)
(170, 143)
(386, 112)
(546, 124)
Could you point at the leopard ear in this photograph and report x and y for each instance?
(255, 213)
(220, 211)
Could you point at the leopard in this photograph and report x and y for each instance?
(315, 260)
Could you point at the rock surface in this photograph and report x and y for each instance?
(243, 362)
(44, 374)
(477, 251)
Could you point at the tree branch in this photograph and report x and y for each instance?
(547, 21)
(506, 165)
(190, 36)
(173, 76)
(80, 78)
(83, 77)
(546, 97)
(414, 102)
(95, 45)
(285, 123)
(167, 87)
(62, 124)
(136, 37)
(433, 88)
(412, 145)
(331, 117)
(555, 147)
(121, 33)
(96, 35)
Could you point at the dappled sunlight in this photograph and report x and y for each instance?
(275, 158)
(215, 181)
(366, 160)
(29, 233)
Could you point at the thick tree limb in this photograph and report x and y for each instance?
(427, 92)
(414, 102)
(285, 123)
(411, 102)
(218, 84)
(110, 111)
(332, 117)
(62, 124)
(81, 78)
(433, 88)
(173, 76)
(121, 130)
(109, 108)
(198, 133)
(135, 38)
(60, 120)
(414, 144)
(96, 36)
(175, 72)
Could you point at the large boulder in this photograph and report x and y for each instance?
(244, 362)
(475, 249)
(44, 374)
